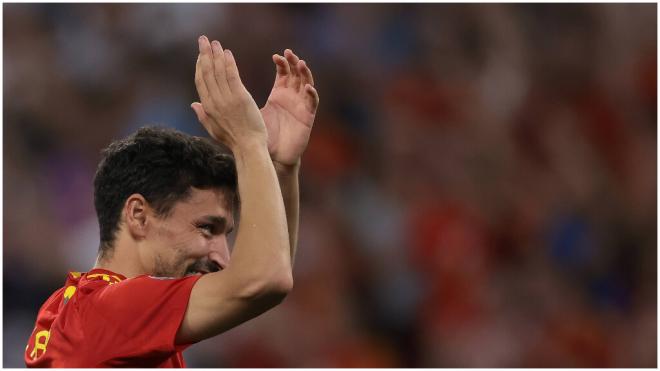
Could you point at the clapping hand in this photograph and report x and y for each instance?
(227, 110)
(290, 110)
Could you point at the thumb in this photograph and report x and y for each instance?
(199, 111)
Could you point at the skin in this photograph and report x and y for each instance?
(289, 111)
(195, 234)
(289, 115)
(192, 239)
(267, 145)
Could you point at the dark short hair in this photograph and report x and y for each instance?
(162, 165)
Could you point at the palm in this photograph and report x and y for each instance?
(289, 124)
(290, 110)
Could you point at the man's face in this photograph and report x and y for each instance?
(192, 239)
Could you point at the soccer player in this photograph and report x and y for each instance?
(165, 201)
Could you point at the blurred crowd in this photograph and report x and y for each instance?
(479, 189)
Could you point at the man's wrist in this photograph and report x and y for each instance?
(248, 147)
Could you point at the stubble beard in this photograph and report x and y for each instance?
(173, 268)
(177, 267)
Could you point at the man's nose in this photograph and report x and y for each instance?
(219, 252)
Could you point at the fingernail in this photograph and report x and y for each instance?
(228, 53)
(216, 46)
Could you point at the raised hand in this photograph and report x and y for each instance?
(227, 110)
(290, 110)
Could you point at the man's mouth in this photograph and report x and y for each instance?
(202, 271)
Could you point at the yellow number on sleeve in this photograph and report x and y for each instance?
(40, 343)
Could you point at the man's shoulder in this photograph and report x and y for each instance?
(139, 289)
(51, 307)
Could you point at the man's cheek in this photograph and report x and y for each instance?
(193, 244)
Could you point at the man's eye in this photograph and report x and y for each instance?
(206, 227)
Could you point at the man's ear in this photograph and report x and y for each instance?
(136, 209)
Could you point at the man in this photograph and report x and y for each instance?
(165, 201)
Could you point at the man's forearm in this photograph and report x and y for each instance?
(261, 239)
(287, 176)
(259, 274)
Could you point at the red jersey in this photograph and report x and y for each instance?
(102, 319)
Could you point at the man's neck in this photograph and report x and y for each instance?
(121, 259)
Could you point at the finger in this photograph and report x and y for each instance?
(219, 67)
(291, 57)
(282, 70)
(199, 111)
(294, 80)
(312, 98)
(281, 65)
(306, 73)
(202, 117)
(206, 61)
(233, 78)
(202, 90)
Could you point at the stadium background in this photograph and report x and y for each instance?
(479, 189)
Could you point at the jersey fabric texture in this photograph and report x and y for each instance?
(102, 319)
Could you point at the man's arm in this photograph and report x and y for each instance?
(259, 275)
(288, 179)
(289, 116)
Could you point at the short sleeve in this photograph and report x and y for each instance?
(138, 317)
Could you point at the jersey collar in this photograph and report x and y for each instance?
(98, 274)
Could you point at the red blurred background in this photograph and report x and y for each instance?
(479, 189)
